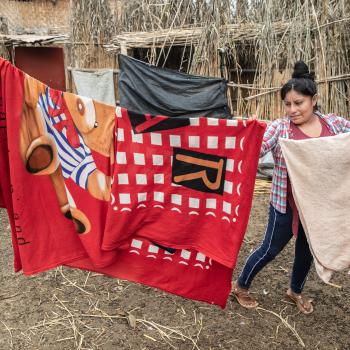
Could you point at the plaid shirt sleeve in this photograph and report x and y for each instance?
(339, 125)
(343, 124)
(270, 137)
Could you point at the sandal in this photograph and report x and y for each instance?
(303, 303)
(243, 297)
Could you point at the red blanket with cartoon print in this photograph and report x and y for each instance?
(145, 198)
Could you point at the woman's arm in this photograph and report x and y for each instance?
(341, 124)
(344, 124)
(270, 138)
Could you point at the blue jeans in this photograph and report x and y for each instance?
(278, 234)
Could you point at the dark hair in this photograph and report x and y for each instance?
(302, 81)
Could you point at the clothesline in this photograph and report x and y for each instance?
(275, 89)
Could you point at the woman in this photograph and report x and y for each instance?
(302, 121)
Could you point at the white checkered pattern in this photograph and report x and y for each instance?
(124, 198)
(121, 158)
(193, 202)
(142, 197)
(139, 158)
(157, 159)
(141, 179)
(226, 207)
(175, 140)
(194, 121)
(156, 139)
(158, 197)
(120, 134)
(176, 199)
(153, 249)
(193, 141)
(230, 142)
(185, 254)
(232, 122)
(123, 179)
(200, 257)
(212, 121)
(230, 164)
(211, 203)
(136, 243)
(212, 142)
(228, 187)
(158, 178)
(136, 138)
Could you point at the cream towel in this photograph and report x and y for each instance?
(319, 170)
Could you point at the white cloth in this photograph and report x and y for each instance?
(96, 85)
(319, 170)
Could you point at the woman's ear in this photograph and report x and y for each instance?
(314, 100)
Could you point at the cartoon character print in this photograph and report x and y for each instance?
(59, 133)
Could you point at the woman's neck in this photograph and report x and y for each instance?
(310, 121)
(312, 127)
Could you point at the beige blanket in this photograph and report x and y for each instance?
(319, 170)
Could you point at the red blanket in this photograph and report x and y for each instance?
(67, 199)
(184, 184)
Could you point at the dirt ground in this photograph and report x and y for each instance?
(72, 309)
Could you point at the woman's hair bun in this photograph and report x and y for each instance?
(301, 70)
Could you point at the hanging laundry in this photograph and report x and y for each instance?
(145, 88)
(186, 273)
(319, 170)
(183, 183)
(98, 85)
(60, 157)
(61, 186)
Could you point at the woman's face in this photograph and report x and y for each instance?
(299, 107)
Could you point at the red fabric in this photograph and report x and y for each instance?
(10, 105)
(193, 223)
(6, 198)
(297, 134)
(203, 279)
(43, 238)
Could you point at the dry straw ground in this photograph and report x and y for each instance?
(72, 309)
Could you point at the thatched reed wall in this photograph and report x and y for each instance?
(261, 40)
(36, 16)
(92, 26)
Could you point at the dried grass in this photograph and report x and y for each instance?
(266, 37)
(285, 322)
(92, 25)
(76, 317)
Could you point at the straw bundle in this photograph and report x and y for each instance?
(92, 25)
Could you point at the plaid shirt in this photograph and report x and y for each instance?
(281, 128)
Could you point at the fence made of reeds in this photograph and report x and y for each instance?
(252, 43)
(263, 37)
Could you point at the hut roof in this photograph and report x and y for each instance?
(31, 39)
(184, 36)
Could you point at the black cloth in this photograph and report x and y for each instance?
(144, 88)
